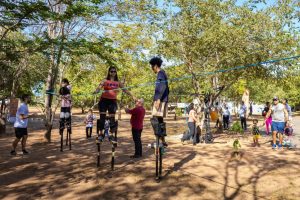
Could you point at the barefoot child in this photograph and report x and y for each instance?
(89, 123)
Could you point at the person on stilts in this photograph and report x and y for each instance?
(65, 112)
(159, 111)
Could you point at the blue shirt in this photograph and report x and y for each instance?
(22, 110)
(161, 87)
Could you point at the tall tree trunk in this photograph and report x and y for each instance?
(55, 30)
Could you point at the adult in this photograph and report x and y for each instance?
(243, 114)
(108, 100)
(268, 121)
(251, 108)
(288, 108)
(161, 94)
(219, 114)
(279, 117)
(226, 117)
(21, 124)
(136, 121)
(66, 105)
(191, 125)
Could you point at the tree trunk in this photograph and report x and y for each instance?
(2, 118)
(55, 30)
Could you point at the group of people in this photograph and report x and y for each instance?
(279, 117)
(110, 87)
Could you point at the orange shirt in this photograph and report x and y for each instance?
(110, 89)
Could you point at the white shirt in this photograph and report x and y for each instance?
(22, 110)
(278, 113)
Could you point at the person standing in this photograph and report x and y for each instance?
(136, 121)
(191, 125)
(108, 100)
(243, 113)
(269, 119)
(89, 119)
(226, 117)
(279, 118)
(21, 124)
(288, 108)
(161, 94)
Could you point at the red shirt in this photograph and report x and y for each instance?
(137, 117)
(110, 88)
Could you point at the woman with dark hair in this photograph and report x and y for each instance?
(269, 119)
(108, 99)
(192, 125)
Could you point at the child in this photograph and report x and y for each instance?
(226, 116)
(288, 131)
(66, 104)
(236, 147)
(89, 123)
(255, 133)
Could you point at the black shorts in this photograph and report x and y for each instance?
(20, 132)
(109, 105)
(65, 109)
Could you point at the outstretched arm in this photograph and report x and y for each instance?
(126, 91)
(100, 86)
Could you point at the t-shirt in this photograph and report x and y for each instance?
(226, 112)
(137, 117)
(162, 87)
(66, 101)
(89, 120)
(288, 109)
(255, 130)
(22, 110)
(110, 89)
(242, 111)
(191, 113)
(278, 113)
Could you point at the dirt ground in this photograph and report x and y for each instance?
(205, 171)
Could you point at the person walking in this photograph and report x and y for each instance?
(279, 119)
(21, 124)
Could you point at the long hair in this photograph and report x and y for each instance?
(108, 75)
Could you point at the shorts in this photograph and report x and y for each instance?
(20, 132)
(278, 126)
(161, 111)
(109, 105)
(256, 137)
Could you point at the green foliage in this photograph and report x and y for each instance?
(236, 127)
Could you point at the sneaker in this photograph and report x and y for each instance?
(13, 153)
(24, 152)
(280, 146)
(165, 144)
(274, 146)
